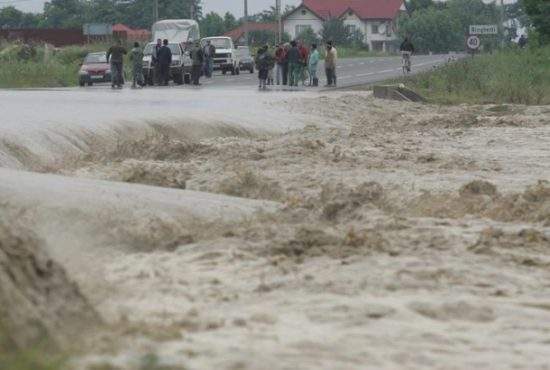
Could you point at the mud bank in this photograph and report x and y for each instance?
(390, 236)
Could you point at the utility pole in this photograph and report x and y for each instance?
(246, 22)
(155, 10)
(279, 20)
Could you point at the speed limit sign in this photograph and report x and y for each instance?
(473, 42)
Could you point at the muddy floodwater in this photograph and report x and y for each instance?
(237, 230)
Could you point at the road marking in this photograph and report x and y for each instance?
(366, 74)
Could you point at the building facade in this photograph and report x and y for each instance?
(375, 19)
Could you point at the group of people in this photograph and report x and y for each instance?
(161, 59)
(290, 61)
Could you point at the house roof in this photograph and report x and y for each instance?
(119, 27)
(364, 9)
(238, 32)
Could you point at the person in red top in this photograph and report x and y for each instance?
(280, 55)
(304, 57)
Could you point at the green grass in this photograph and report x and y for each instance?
(509, 76)
(59, 70)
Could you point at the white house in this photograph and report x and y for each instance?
(376, 19)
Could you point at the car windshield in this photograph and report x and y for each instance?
(245, 52)
(95, 58)
(175, 48)
(221, 43)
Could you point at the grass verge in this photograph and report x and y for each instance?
(511, 76)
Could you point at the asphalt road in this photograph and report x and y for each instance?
(352, 71)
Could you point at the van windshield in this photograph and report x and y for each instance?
(219, 43)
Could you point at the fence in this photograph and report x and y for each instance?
(56, 37)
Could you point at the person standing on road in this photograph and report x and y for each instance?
(197, 56)
(263, 63)
(115, 56)
(313, 61)
(330, 64)
(164, 57)
(209, 51)
(304, 57)
(136, 57)
(286, 49)
(294, 61)
(155, 64)
(279, 63)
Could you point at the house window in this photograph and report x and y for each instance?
(351, 28)
(350, 13)
(374, 28)
(304, 12)
(301, 28)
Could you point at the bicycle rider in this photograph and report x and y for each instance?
(407, 49)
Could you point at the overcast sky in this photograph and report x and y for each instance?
(220, 6)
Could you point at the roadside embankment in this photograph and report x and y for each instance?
(516, 76)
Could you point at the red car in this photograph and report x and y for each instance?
(94, 69)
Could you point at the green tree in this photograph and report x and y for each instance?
(308, 36)
(230, 22)
(212, 25)
(539, 15)
(444, 27)
(64, 13)
(335, 30)
(10, 17)
(414, 5)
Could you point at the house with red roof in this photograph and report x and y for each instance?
(238, 34)
(376, 19)
(124, 32)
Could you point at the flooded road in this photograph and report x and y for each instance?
(231, 229)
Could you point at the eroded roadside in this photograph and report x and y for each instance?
(401, 233)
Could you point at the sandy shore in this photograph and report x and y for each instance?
(390, 236)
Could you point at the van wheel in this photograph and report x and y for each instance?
(81, 83)
(90, 83)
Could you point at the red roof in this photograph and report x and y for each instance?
(365, 9)
(238, 32)
(122, 28)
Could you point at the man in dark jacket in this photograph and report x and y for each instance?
(197, 56)
(154, 62)
(164, 58)
(115, 56)
(294, 64)
(209, 51)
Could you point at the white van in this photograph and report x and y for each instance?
(226, 57)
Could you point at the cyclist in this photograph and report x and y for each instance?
(406, 49)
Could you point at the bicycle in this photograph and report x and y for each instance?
(406, 55)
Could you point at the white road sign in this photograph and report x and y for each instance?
(473, 42)
(483, 29)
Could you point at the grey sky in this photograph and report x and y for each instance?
(220, 6)
(236, 6)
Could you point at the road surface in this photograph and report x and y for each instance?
(350, 71)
